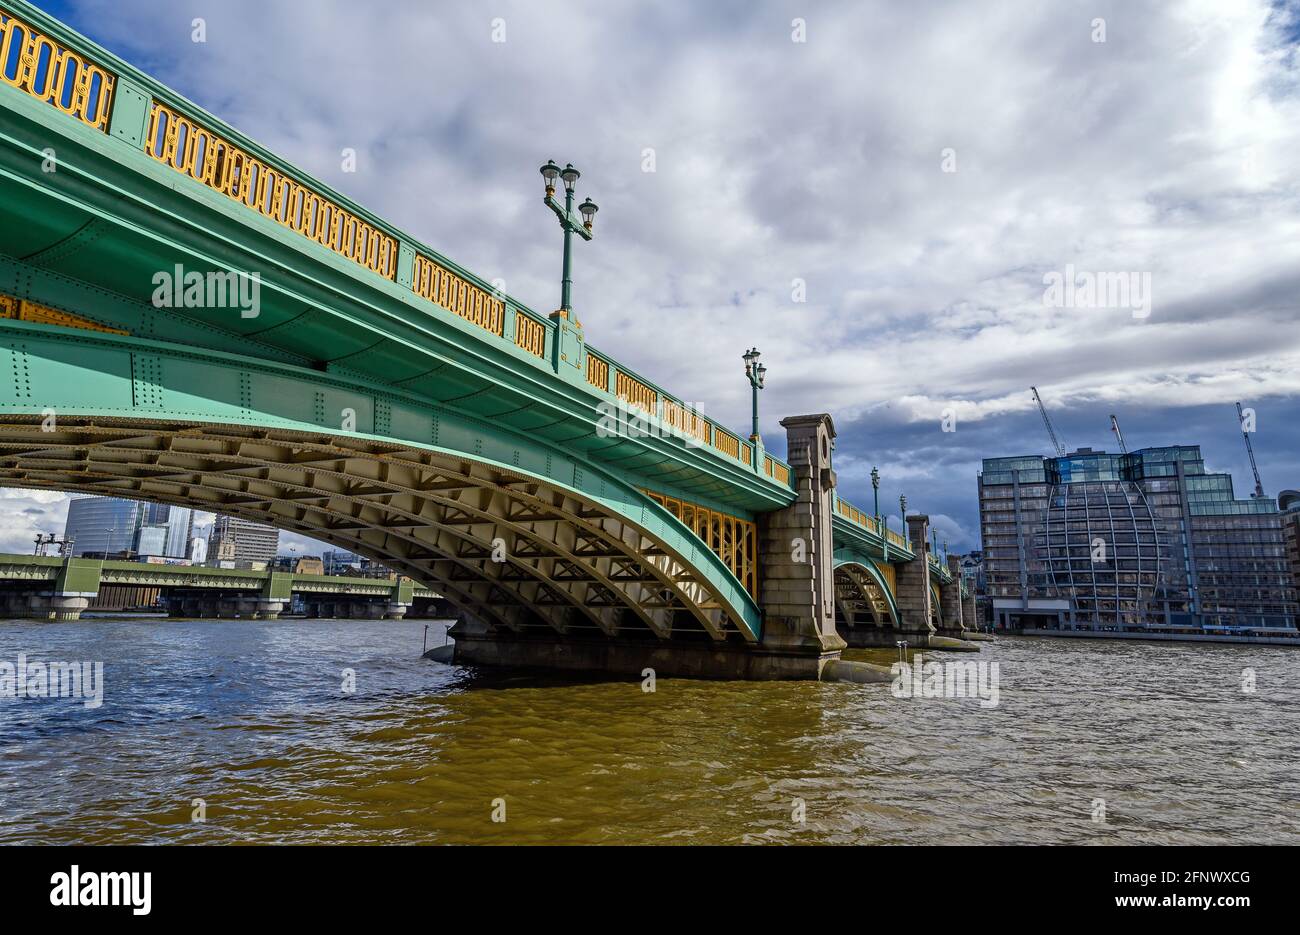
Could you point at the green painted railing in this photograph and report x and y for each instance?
(876, 528)
(44, 58)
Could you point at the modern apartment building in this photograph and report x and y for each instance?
(1289, 501)
(241, 540)
(1140, 541)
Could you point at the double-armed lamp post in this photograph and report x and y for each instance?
(570, 223)
(881, 528)
(755, 372)
(902, 508)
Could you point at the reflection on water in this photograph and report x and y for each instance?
(250, 717)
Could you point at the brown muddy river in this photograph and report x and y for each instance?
(1090, 742)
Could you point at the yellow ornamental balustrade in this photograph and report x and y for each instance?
(732, 539)
(530, 334)
(597, 371)
(727, 443)
(776, 470)
(458, 295)
(177, 141)
(35, 63)
(636, 393)
(686, 421)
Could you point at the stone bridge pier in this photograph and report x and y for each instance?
(797, 593)
(970, 616)
(797, 558)
(952, 613)
(915, 604)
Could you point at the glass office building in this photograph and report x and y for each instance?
(165, 530)
(1140, 541)
(102, 526)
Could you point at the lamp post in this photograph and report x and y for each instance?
(902, 507)
(755, 372)
(882, 528)
(569, 222)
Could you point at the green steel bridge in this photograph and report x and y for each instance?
(186, 318)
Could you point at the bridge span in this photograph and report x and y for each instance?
(58, 588)
(186, 318)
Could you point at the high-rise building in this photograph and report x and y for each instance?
(176, 521)
(1140, 541)
(242, 540)
(151, 540)
(1289, 501)
(198, 550)
(101, 526)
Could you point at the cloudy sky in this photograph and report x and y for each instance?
(874, 194)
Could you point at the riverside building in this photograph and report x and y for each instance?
(1144, 541)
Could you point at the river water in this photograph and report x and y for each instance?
(1090, 742)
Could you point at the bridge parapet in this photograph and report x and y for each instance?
(859, 529)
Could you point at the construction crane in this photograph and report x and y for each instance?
(1119, 436)
(1056, 443)
(1241, 422)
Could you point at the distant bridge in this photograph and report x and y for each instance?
(54, 588)
(185, 318)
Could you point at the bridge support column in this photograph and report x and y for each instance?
(56, 607)
(395, 611)
(796, 556)
(969, 614)
(915, 607)
(268, 609)
(950, 604)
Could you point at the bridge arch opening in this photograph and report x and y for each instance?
(513, 551)
(863, 598)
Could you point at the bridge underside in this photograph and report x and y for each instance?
(519, 557)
